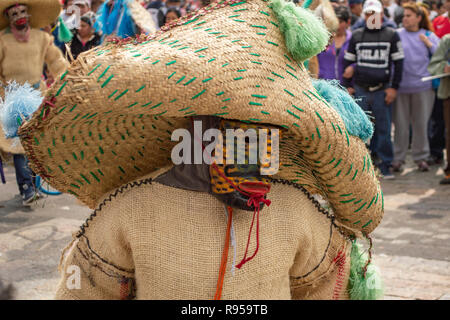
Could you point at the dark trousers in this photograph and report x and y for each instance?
(24, 175)
(446, 112)
(436, 130)
(381, 142)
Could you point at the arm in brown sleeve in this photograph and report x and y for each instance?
(54, 58)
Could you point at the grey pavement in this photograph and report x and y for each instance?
(411, 245)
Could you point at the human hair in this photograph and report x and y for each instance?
(422, 12)
(342, 13)
(174, 10)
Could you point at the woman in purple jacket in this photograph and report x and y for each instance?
(331, 60)
(415, 98)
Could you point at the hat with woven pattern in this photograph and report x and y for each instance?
(108, 120)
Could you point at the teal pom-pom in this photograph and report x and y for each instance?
(356, 121)
(19, 104)
(360, 286)
(64, 34)
(304, 33)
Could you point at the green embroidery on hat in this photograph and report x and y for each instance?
(93, 70)
(190, 81)
(171, 62)
(103, 73)
(270, 79)
(201, 22)
(258, 26)
(293, 114)
(132, 105)
(67, 162)
(60, 89)
(273, 43)
(36, 141)
(137, 55)
(155, 62)
(255, 54)
(255, 103)
(237, 4)
(237, 40)
(370, 221)
(318, 133)
(238, 10)
(348, 140)
(198, 94)
(267, 113)
(293, 75)
(321, 119)
(259, 96)
(290, 93)
(350, 169)
(140, 88)
(334, 128)
(354, 176)
(86, 179)
(200, 49)
(220, 93)
(121, 95)
(348, 201)
(238, 78)
(299, 109)
(115, 91)
(339, 128)
(246, 47)
(99, 171)
(171, 75)
(224, 65)
(101, 150)
(238, 20)
(257, 62)
(206, 80)
(277, 75)
(261, 33)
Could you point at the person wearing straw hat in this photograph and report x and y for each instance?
(23, 51)
(129, 131)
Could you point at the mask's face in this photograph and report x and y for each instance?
(18, 16)
(243, 163)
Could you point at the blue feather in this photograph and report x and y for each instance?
(356, 121)
(19, 104)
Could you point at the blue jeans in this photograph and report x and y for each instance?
(23, 173)
(381, 142)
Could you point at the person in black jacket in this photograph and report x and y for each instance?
(373, 50)
(85, 37)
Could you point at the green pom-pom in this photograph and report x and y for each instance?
(64, 34)
(305, 34)
(369, 287)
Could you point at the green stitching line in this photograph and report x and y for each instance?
(276, 25)
(171, 62)
(337, 163)
(339, 172)
(260, 33)
(132, 105)
(181, 79)
(49, 153)
(171, 75)
(238, 20)
(347, 201)
(304, 92)
(200, 49)
(255, 103)
(60, 89)
(265, 112)
(121, 95)
(299, 109)
(290, 65)
(220, 93)
(331, 161)
(349, 170)
(364, 166)
(293, 114)
(273, 43)
(371, 203)
(257, 26)
(140, 88)
(255, 54)
(211, 59)
(287, 57)
(266, 13)
(346, 195)
(270, 79)
(293, 75)
(370, 221)
(259, 96)
(63, 75)
(190, 81)
(107, 81)
(156, 105)
(277, 75)
(115, 91)
(104, 72)
(227, 99)
(321, 119)
(95, 177)
(318, 133)
(360, 207)
(224, 65)
(238, 78)
(206, 80)
(93, 70)
(198, 94)
(156, 62)
(290, 93)
(73, 108)
(234, 16)
(354, 176)
(237, 4)
(257, 62)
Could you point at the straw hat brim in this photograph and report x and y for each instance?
(108, 120)
(42, 12)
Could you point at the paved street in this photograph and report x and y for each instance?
(411, 246)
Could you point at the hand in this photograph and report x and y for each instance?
(391, 94)
(351, 91)
(447, 68)
(425, 40)
(348, 72)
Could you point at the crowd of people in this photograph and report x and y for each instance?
(380, 53)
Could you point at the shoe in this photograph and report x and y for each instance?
(423, 166)
(446, 180)
(29, 195)
(432, 160)
(397, 166)
(385, 172)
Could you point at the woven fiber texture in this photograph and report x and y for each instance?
(108, 120)
(171, 247)
(42, 12)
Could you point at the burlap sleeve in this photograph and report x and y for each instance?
(99, 263)
(54, 58)
(321, 267)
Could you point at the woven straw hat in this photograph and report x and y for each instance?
(42, 12)
(108, 120)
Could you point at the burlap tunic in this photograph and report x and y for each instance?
(151, 241)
